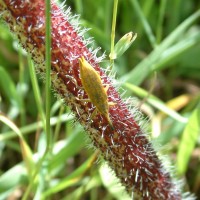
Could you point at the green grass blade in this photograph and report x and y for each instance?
(156, 102)
(188, 141)
(145, 67)
(72, 179)
(8, 87)
(145, 23)
(34, 126)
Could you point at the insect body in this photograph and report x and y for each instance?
(95, 90)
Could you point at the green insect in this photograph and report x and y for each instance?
(95, 90)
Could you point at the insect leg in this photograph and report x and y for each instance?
(94, 113)
(86, 100)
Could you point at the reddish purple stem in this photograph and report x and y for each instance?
(126, 148)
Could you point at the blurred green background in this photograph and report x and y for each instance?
(161, 70)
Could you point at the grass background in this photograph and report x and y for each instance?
(161, 69)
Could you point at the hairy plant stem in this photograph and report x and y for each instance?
(126, 147)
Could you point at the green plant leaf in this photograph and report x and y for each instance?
(123, 44)
(112, 184)
(72, 179)
(156, 102)
(14, 176)
(188, 141)
(8, 87)
(153, 60)
(67, 148)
